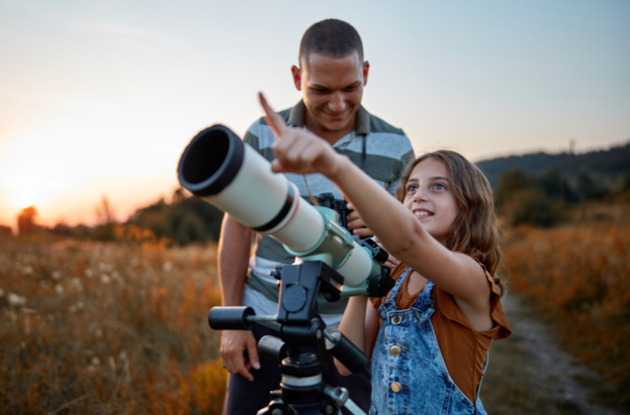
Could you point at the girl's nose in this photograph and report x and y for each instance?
(419, 196)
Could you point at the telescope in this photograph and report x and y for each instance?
(220, 168)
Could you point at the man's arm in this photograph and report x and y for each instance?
(234, 251)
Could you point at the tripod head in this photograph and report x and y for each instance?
(299, 324)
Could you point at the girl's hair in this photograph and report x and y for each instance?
(475, 227)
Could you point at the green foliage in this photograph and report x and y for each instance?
(525, 199)
(532, 206)
(610, 165)
(185, 220)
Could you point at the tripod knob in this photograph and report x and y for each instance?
(231, 318)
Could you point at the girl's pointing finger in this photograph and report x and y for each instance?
(275, 121)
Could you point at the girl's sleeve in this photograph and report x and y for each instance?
(447, 307)
(501, 328)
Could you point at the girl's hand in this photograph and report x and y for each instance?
(297, 151)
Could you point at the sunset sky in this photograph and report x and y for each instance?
(99, 98)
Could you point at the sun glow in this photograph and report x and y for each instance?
(65, 167)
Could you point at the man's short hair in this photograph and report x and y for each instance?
(332, 38)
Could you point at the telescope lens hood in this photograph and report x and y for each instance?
(211, 161)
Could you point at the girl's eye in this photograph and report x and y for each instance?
(439, 186)
(412, 188)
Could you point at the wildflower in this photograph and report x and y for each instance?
(105, 279)
(89, 273)
(95, 361)
(16, 300)
(56, 275)
(167, 267)
(122, 355)
(27, 270)
(76, 281)
(80, 305)
(59, 288)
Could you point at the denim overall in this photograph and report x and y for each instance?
(409, 375)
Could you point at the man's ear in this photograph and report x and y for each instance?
(297, 77)
(366, 69)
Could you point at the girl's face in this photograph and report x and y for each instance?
(429, 197)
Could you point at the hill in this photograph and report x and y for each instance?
(611, 166)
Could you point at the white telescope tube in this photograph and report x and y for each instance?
(227, 173)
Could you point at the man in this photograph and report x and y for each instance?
(331, 77)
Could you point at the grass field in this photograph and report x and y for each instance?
(121, 327)
(108, 328)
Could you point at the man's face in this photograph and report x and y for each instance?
(332, 90)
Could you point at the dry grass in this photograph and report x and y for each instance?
(108, 328)
(120, 327)
(577, 278)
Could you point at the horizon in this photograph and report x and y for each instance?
(100, 99)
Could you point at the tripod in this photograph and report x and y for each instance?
(298, 324)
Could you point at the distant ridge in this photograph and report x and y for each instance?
(612, 164)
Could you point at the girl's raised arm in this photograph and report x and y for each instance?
(399, 231)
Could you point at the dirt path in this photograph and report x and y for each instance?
(530, 373)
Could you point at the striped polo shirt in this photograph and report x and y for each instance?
(387, 152)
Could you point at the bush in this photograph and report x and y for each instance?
(531, 206)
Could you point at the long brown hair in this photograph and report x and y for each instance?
(475, 227)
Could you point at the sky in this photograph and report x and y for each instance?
(100, 98)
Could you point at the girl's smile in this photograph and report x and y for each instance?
(422, 213)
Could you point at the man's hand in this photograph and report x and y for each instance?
(233, 344)
(356, 224)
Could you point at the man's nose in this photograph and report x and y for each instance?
(337, 102)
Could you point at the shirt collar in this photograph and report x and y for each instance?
(361, 126)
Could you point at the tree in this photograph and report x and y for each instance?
(104, 230)
(104, 213)
(26, 220)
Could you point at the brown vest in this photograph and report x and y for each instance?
(463, 348)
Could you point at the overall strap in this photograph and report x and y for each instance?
(390, 302)
(424, 302)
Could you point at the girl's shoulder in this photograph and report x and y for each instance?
(445, 304)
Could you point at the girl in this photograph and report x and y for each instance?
(429, 338)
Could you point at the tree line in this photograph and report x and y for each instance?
(537, 189)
